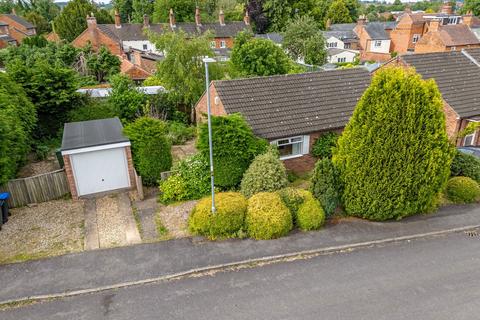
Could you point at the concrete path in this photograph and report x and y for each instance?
(435, 278)
(146, 211)
(91, 227)
(123, 266)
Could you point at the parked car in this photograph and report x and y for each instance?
(470, 150)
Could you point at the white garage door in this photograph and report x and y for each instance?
(99, 171)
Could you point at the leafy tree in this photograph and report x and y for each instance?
(140, 8)
(46, 8)
(126, 100)
(125, 9)
(38, 21)
(353, 7)
(71, 22)
(258, 57)
(394, 155)
(258, 15)
(35, 41)
(397, 6)
(279, 13)
(323, 145)
(150, 148)
(303, 40)
(234, 147)
(325, 185)
(184, 10)
(338, 12)
(319, 12)
(473, 6)
(6, 6)
(182, 72)
(103, 64)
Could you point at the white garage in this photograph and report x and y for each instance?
(97, 157)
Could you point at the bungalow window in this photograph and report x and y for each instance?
(378, 43)
(292, 147)
(415, 38)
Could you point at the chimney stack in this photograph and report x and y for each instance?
(91, 22)
(246, 18)
(172, 19)
(118, 23)
(146, 21)
(468, 19)
(92, 30)
(198, 21)
(447, 8)
(361, 20)
(14, 12)
(434, 25)
(221, 17)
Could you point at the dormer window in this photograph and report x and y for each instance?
(378, 43)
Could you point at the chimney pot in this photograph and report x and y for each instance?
(221, 17)
(146, 21)
(198, 21)
(246, 18)
(172, 19)
(118, 23)
(361, 20)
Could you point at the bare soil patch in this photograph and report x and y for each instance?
(175, 218)
(35, 167)
(46, 229)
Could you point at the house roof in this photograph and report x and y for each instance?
(77, 135)
(457, 34)
(334, 51)
(135, 31)
(342, 27)
(7, 38)
(287, 105)
(376, 30)
(348, 34)
(457, 77)
(19, 20)
(274, 36)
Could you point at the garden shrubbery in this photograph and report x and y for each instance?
(228, 219)
(465, 165)
(190, 180)
(267, 216)
(310, 215)
(179, 133)
(234, 147)
(150, 148)
(323, 146)
(292, 198)
(462, 190)
(266, 173)
(325, 185)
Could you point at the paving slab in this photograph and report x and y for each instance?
(146, 211)
(91, 228)
(107, 267)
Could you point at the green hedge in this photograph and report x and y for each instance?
(465, 165)
(228, 219)
(292, 198)
(267, 216)
(462, 190)
(310, 215)
(323, 145)
(266, 173)
(326, 186)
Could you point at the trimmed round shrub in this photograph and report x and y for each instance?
(394, 155)
(465, 165)
(463, 190)
(325, 185)
(323, 145)
(292, 198)
(310, 215)
(266, 174)
(228, 219)
(267, 216)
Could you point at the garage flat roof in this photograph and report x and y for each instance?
(77, 135)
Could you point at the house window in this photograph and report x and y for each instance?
(331, 44)
(469, 140)
(223, 44)
(145, 47)
(342, 59)
(213, 44)
(378, 43)
(453, 48)
(292, 147)
(415, 38)
(348, 45)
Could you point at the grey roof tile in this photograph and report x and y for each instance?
(19, 20)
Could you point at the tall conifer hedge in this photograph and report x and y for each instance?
(394, 155)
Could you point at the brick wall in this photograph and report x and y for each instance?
(228, 42)
(97, 38)
(70, 176)
(216, 105)
(131, 170)
(402, 35)
(13, 26)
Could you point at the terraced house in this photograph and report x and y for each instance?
(13, 29)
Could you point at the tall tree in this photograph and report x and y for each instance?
(394, 155)
(303, 40)
(38, 21)
(338, 12)
(184, 10)
(278, 12)
(125, 9)
(72, 20)
(353, 7)
(102, 64)
(140, 8)
(258, 15)
(6, 6)
(473, 6)
(258, 57)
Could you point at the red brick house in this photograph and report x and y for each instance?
(290, 111)
(457, 75)
(13, 29)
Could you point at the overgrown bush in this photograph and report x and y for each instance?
(150, 147)
(267, 216)
(323, 145)
(227, 220)
(292, 198)
(234, 147)
(190, 180)
(462, 190)
(310, 215)
(465, 165)
(325, 185)
(179, 133)
(394, 154)
(266, 173)
(92, 110)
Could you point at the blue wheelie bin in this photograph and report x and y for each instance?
(4, 206)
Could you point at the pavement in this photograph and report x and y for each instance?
(104, 269)
(433, 278)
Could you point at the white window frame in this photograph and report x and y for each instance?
(304, 149)
(223, 44)
(377, 43)
(145, 46)
(472, 136)
(415, 38)
(341, 59)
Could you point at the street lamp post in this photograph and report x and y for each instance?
(210, 144)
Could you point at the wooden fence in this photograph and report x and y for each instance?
(41, 188)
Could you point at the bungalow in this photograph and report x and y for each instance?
(457, 74)
(290, 111)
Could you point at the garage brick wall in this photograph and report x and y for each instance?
(131, 170)
(70, 176)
